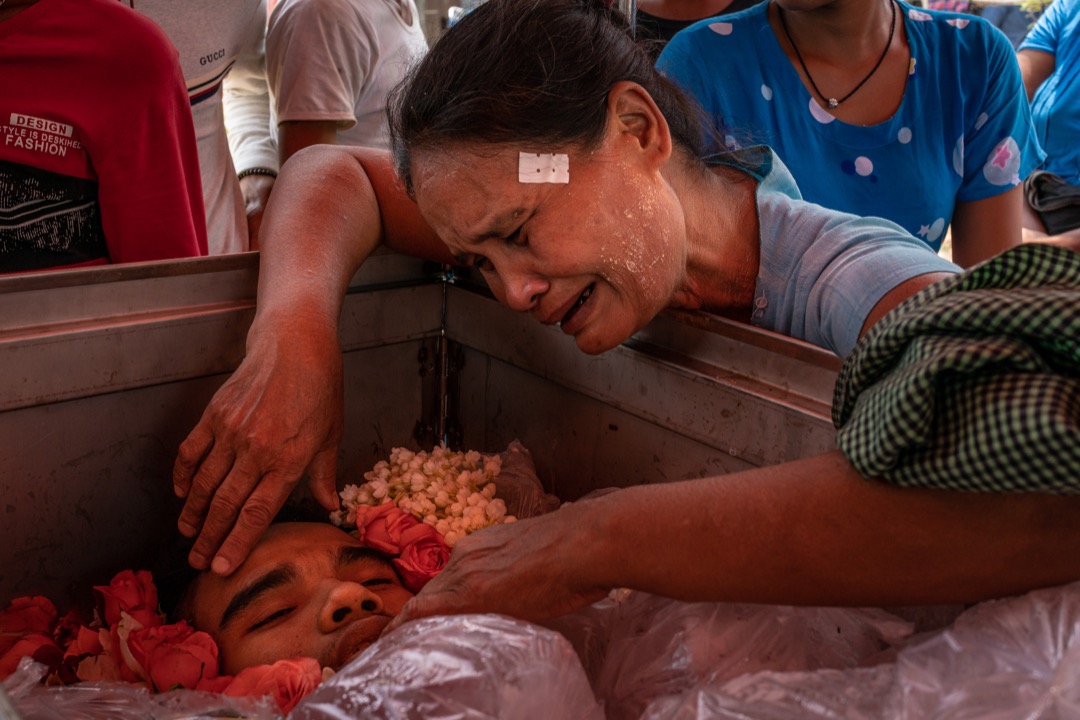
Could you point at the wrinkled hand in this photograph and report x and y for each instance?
(531, 569)
(256, 189)
(279, 415)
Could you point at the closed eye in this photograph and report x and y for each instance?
(377, 581)
(272, 617)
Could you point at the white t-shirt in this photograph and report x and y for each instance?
(221, 51)
(337, 60)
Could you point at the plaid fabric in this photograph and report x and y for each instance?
(973, 383)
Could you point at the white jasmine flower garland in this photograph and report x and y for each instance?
(452, 491)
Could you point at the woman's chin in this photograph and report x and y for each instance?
(592, 345)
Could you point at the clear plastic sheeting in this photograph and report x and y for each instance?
(636, 656)
(639, 647)
(123, 701)
(1002, 660)
(467, 667)
(518, 486)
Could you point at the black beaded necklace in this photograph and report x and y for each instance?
(833, 102)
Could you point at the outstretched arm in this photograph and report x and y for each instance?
(280, 414)
(812, 531)
(984, 228)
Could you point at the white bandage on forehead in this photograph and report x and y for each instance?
(543, 168)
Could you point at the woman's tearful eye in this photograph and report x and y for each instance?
(270, 619)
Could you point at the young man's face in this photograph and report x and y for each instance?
(307, 589)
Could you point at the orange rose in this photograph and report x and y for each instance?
(288, 681)
(133, 593)
(28, 614)
(421, 560)
(174, 655)
(37, 645)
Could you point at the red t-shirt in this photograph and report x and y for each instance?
(98, 161)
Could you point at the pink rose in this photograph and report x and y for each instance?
(288, 681)
(421, 560)
(37, 645)
(28, 614)
(384, 527)
(174, 655)
(133, 593)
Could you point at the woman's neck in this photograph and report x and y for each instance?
(851, 55)
(844, 32)
(723, 244)
(683, 9)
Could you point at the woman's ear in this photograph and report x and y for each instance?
(634, 116)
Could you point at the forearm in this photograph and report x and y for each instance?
(321, 224)
(814, 532)
(983, 228)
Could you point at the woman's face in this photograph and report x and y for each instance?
(600, 255)
(307, 589)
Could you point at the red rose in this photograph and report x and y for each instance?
(37, 645)
(421, 560)
(381, 527)
(27, 615)
(67, 629)
(288, 681)
(215, 684)
(133, 593)
(174, 655)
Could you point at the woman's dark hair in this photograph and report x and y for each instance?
(528, 71)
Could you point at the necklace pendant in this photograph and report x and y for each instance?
(833, 102)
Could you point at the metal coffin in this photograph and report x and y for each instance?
(105, 370)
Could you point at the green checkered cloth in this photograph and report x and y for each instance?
(973, 383)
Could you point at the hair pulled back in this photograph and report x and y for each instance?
(534, 72)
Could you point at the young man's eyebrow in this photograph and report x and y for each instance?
(347, 554)
(278, 577)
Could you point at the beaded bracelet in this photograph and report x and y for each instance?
(256, 171)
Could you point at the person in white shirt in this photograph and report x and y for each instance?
(221, 47)
(331, 64)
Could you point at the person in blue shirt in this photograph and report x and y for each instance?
(1049, 60)
(877, 107)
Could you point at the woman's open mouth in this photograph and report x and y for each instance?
(566, 324)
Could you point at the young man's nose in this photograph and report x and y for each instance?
(346, 602)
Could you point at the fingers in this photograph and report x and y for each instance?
(322, 479)
(190, 456)
(212, 508)
(251, 521)
(425, 605)
(202, 489)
